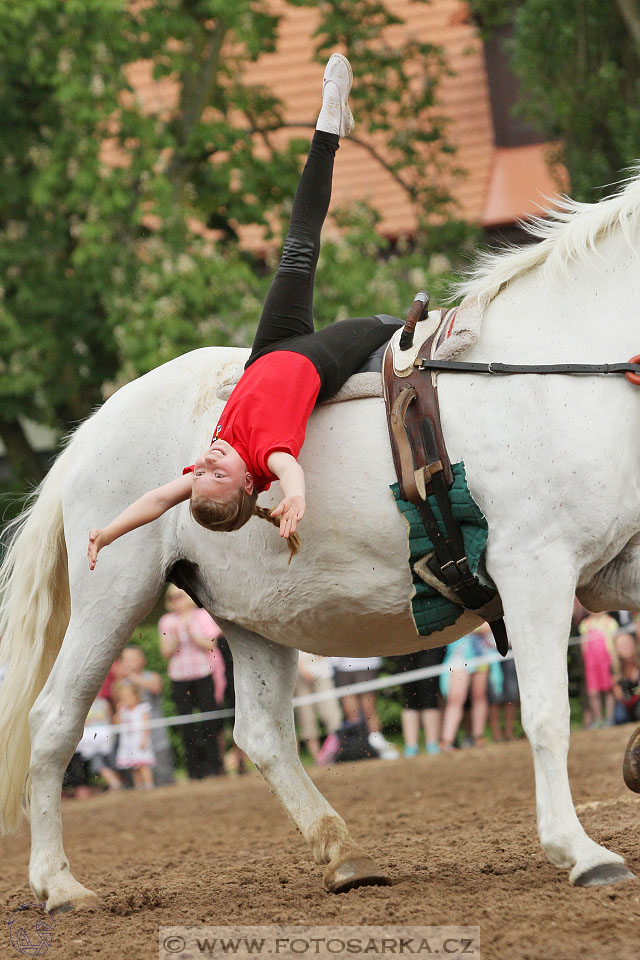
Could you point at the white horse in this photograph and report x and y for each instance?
(553, 461)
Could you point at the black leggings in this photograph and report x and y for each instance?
(286, 323)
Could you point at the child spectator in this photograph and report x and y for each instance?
(315, 674)
(626, 681)
(96, 746)
(149, 683)
(186, 635)
(460, 680)
(420, 701)
(597, 632)
(134, 745)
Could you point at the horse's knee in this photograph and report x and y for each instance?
(546, 725)
(263, 743)
(53, 731)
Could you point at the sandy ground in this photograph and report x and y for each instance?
(456, 834)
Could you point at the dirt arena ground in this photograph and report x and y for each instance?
(456, 834)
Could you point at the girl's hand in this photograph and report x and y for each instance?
(291, 511)
(97, 541)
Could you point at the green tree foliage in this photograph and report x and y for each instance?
(579, 64)
(104, 275)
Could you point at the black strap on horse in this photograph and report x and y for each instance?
(424, 469)
(462, 366)
(449, 562)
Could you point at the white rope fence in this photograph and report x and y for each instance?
(336, 693)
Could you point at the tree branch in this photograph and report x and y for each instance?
(361, 143)
(194, 97)
(24, 461)
(628, 10)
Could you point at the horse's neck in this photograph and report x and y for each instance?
(585, 315)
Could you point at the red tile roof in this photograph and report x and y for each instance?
(499, 185)
(521, 184)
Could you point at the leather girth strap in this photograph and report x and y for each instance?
(423, 468)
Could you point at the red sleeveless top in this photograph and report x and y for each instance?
(268, 411)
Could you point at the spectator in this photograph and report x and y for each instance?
(347, 670)
(315, 675)
(97, 745)
(186, 635)
(134, 744)
(461, 680)
(626, 681)
(75, 782)
(507, 696)
(234, 759)
(149, 683)
(106, 690)
(575, 663)
(597, 631)
(420, 701)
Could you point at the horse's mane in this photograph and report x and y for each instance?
(567, 235)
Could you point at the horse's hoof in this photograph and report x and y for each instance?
(631, 762)
(603, 874)
(73, 896)
(354, 872)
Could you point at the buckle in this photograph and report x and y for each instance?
(451, 576)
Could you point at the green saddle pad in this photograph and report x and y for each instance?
(431, 611)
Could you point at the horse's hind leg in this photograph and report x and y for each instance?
(99, 627)
(538, 617)
(264, 677)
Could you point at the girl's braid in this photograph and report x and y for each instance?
(293, 541)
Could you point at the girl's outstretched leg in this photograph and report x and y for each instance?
(288, 309)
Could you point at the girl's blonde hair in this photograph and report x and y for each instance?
(231, 514)
(121, 685)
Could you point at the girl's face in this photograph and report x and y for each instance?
(178, 601)
(128, 697)
(220, 473)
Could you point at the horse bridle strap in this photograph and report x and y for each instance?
(462, 366)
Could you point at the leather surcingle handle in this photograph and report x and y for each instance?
(418, 311)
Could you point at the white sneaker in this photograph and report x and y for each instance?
(335, 115)
(384, 749)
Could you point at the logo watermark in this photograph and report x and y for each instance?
(318, 943)
(31, 930)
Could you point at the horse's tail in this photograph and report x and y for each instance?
(34, 613)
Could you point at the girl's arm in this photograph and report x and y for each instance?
(291, 476)
(149, 507)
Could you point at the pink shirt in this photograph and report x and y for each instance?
(191, 662)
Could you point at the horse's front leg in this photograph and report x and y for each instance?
(537, 594)
(264, 675)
